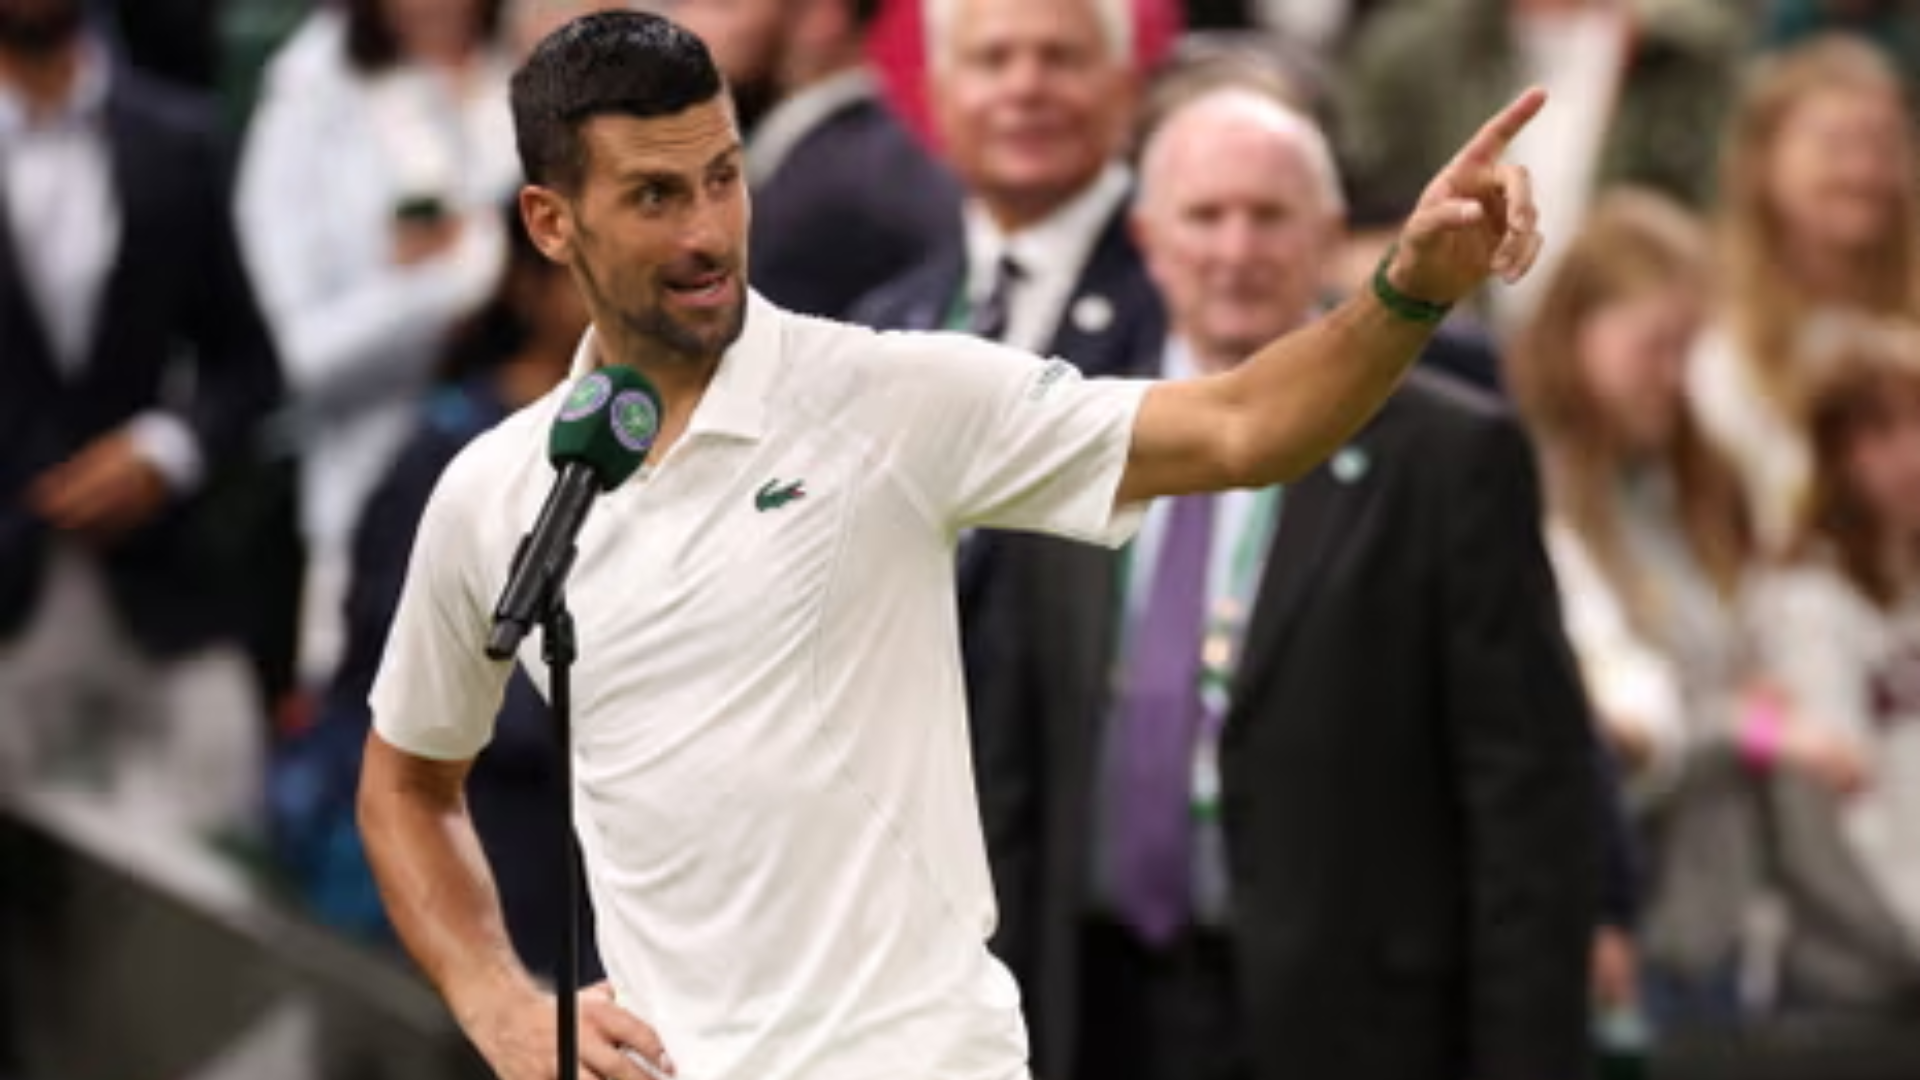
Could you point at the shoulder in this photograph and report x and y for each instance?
(497, 470)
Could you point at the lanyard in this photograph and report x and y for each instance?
(1230, 601)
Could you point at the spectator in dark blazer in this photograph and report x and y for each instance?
(1034, 102)
(134, 366)
(1371, 768)
(845, 199)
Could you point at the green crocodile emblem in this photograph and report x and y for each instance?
(774, 495)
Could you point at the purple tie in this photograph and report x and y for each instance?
(1159, 716)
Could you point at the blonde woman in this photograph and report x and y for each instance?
(1648, 536)
(1819, 219)
(1842, 623)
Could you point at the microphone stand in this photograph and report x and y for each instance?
(559, 648)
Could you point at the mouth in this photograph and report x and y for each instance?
(707, 290)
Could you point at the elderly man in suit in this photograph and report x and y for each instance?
(1300, 784)
(1033, 102)
(845, 199)
(133, 365)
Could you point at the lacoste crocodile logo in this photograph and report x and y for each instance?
(775, 495)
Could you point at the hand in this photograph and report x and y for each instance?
(1826, 758)
(1614, 969)
(1475, 219)
(106, 490)
(415, 242)
(519, 1039)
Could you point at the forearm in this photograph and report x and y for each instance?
(1301, 397)
(439, 894)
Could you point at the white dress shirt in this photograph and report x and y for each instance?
(56, 178)
(1052, 255)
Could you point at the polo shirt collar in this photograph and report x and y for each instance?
(735, 403)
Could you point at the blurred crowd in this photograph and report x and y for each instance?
(1585, 681)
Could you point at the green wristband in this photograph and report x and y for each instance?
(1407, 307)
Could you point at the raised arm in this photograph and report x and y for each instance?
(1274, 417)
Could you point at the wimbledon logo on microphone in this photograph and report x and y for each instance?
(635, 420)
(587, 396)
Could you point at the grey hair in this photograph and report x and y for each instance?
(1286, 121)
(937, 16)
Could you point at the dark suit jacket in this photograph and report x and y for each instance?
(176, 294)
(1407, 768)
(856, 203)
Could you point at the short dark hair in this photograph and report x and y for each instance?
(372, 45)
(624, 63)
(865, 13)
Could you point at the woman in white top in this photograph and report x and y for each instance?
(1819, 220)
(369, 201)
(1647, 533)
(1842, 627)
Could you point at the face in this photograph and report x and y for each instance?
(1235, 230)
(1883, 462)
(1030, 100)
(1837, 170)
(35, 26)
(656, 235)
(742, 35)
(1632, 354)
(434, 29)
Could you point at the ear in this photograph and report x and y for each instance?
(549, 221)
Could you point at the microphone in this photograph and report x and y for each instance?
(605, 428)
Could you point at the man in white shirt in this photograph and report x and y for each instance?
(775, 804)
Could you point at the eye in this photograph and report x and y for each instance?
(649, 197)
(724, 176)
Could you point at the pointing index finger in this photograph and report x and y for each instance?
(1497, 134)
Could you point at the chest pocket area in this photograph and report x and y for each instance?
(724, 564)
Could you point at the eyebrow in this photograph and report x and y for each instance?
(658, 176)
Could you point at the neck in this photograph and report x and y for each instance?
(681, 380)
(45, 80)
(1014, 212)
(1903, 560)
(1830, 275)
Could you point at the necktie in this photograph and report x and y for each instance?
(990, 317)
(1159, 716)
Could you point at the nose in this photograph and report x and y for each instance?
(705, 230)
(1026, 75)
(1237, 240)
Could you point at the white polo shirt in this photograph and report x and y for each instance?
(775, 794)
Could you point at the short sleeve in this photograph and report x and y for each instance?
(997, 438)
(437, 693)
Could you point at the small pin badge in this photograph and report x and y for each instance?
(1093, 314)
(1350, 464)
